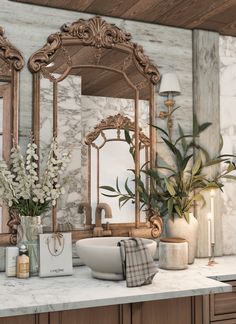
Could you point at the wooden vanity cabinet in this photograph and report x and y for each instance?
(222, 307)
(170, 311)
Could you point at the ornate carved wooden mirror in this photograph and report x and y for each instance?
(11, 62)
(88, 71)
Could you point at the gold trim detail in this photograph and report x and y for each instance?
(10, 53)
(98, 33)
(115, 122)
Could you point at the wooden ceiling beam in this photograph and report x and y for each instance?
(149, 10)
(229, 29)
(213, 10)
(177, 13)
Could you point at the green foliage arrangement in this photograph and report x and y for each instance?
(174, 189)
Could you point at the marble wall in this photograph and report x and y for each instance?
(28, 27)
(228, 130)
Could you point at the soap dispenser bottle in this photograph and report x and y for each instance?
(22, 270)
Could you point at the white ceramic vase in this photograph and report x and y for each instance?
(179, 227)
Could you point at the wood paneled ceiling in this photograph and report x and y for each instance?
(215, 15)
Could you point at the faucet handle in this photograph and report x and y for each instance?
(84, 207)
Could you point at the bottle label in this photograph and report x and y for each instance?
(24, 267)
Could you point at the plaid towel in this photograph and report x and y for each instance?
(138, 265)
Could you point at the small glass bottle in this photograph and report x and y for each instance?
(22, 269)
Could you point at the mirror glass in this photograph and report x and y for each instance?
(84, 75)
(112, 162)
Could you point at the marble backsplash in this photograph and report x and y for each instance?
(228, 130)
(169, 48)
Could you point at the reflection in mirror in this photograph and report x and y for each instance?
(11, 62)
(110, 164)
(84, 74)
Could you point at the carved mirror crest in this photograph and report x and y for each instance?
(11, 62)
(88, 71)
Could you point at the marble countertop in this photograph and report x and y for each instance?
(37, 295)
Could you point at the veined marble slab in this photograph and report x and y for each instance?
(37, 295)
(228, 131)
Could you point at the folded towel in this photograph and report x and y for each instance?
(138, 265)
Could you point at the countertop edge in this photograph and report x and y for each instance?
(113, 301)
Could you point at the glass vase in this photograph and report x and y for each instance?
(27, 234)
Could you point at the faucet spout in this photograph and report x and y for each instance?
(85, 207)
(98, 229)
(98, 213)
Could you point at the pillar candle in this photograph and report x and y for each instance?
(209, 233)
(212, 195)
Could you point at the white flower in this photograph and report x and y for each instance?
(22, 183)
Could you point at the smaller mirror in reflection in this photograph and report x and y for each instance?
(111, 163)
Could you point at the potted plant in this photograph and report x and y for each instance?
(25, 192)
(174, 189)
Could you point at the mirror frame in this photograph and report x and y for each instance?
(13, 60)
(97, 33)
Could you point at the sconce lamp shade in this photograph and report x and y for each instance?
(169, 85)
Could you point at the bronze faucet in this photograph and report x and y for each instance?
(98, 229)
(85, 207)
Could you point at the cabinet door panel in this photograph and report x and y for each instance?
(26, 319)
(172, 311)
(223, 306)
(100, 315)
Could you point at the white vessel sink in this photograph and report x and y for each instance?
(102, 255)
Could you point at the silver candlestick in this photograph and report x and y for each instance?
(211, 260)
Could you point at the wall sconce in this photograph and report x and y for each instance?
(169, 87)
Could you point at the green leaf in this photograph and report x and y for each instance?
(200, 148)
(173, 110)
(165, 168)
(177, 153)
(186, 216)
(226, 155)
(170, 204)
(178, 210)
(183, 140)
(108, 188)
(229, 177)
(197, 129)
(185, 161)
(203, 127)
(127, 188)
(117, 184)
(213, 162)
(170, 187)
(132, 151)
(111, 196)
(127, 135)
(139, 189)
(230, 168)
(197, 165)
(123, 199)
(161, 130)
(221, 143)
